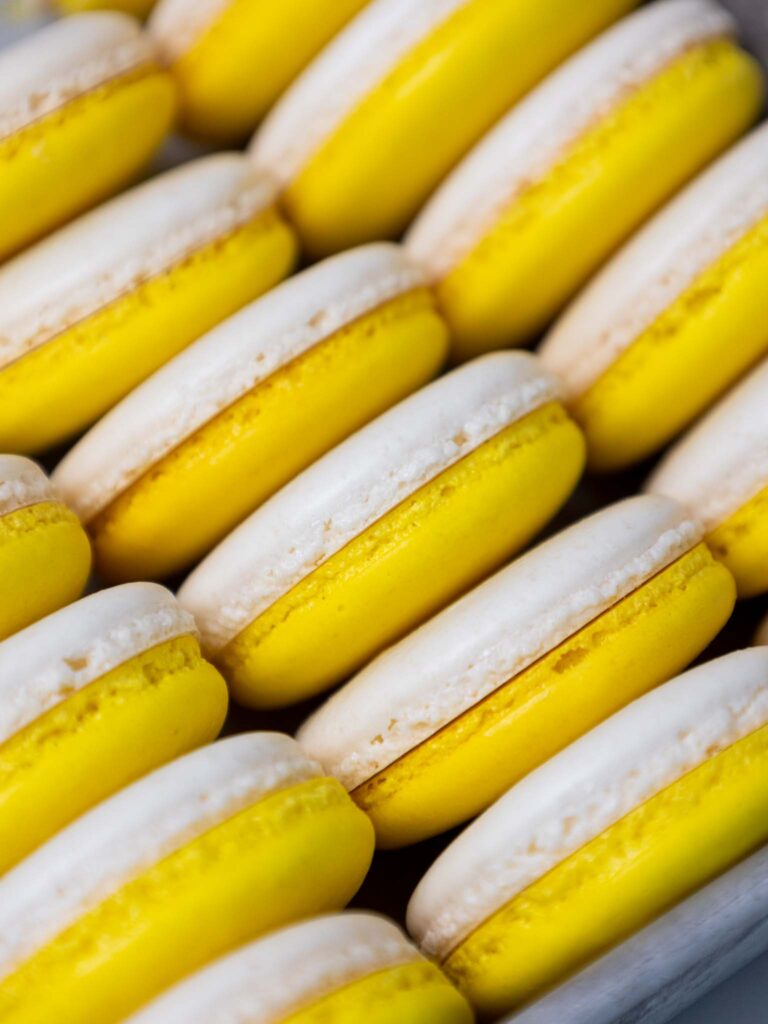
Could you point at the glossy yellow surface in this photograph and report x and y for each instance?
(45, 559)
(648, 861)
(138, 8)
(559, 229)
(428, 111)
(64, 385)
(644, 639)
(437, 543)
(679, 365)
(88, 149)
(298, 852)
(741, 543)
(236, 69)
(156, 706)
(414, 993)
(238, 459)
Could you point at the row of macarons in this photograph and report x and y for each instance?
(183, 868)
(505, 243)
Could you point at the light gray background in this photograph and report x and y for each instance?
(743, 999)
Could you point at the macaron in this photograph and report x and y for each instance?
(440, 725)
(233, 58)
(45, 556)
(337, 969)
(672, 962)
(199, 857)
(576, 167)
(370, 128)
(192, 451)
(601, 839)
(386, 529)
(719, 471)
(83, 105)
(91, 698)
(88, 313)
(675, 317)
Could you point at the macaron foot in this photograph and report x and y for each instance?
(427, 550)
(244, 454)
(161, 703)
(638, 643)
(658, 853)
(414, 993)
(45, 559)
(296, 852)
(74, 157)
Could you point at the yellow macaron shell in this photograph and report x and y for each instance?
(675, 318)
(386, 529)
(720, 471)
(424, 82)
(336, 969)
(83, 105)
(247, 407)
(439, 726)
(203, 855)
(138, 8)
(232, 60)
(569, 174)
(45, 556)
(601, 840)
(93, 310)
(93, 697)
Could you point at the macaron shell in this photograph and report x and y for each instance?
(246, 452)
(495, 632)
(393, 74)
(138, 8)
(153, 708)
(233, 58)
(45, 559)
(308, 843)
(166, 284)
(626, 160)
(741, 543)
(621, 655)
(74, 156)
(431, 548)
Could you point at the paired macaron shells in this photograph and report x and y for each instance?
(675, 318)
(574, 168)
(43, 548)
(593, 844)
(441, 724)
(386, 529)
(343, 968)
(92, 697)
(83, 105)
(94, 309)
(245, 408)
(175, 870)
(392, 74)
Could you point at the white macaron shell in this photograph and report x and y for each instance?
(338, 80)
(226, 364)
(659, 264)
(118, 247)
(22, 483)
(723, 461)
(293, 968)
(356, 484)
(582, 791)
(487, 637)
(72, 56)
(176, 25)
(56, 657)
(536, 134)
(126, 835)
